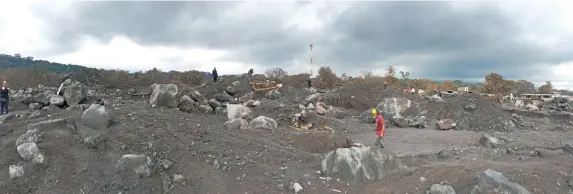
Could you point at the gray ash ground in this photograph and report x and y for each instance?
(214, 159)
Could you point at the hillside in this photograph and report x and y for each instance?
(17, 61)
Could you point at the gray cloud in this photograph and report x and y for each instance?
(459, 44)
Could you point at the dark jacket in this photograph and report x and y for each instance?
(215, 73)
(4, 93)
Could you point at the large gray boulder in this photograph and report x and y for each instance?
(491, 179)
(74, 92)
(361, 163)
(43, 97)
(164, 95)
(236, 124)
(187, 104)
(262, 122)
(195, 95)
(30, 151)
(96, 117)
(142, 165)
(238, 111)
(57, 100)
(34, 135)
(390, 107)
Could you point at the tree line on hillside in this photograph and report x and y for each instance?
(27, 72)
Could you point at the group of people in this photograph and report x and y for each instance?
(216, 75)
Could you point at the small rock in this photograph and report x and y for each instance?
(441, 189)
(178, 178)
(216, 164)
(16, 171)
(297, 187)
(166, 163)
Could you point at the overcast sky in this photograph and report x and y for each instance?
(530, 40)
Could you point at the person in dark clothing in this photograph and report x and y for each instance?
(4, 98)
(215, 75)
(251, 75)
(309, 82)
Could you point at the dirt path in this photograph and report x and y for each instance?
(412, 141)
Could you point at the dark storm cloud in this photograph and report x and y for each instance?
(470, 44)
(464, 44)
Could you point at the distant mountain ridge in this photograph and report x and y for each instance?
(17, 61)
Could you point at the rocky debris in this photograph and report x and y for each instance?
(30, 136)
(399, 121)
(393, 106)
(198, 97)
(446, 124)
(236, 124)
(238, 111)
(361, 163)
(221, 110)
(57, 100)
(178, 178)
(6, 117)
(223, 97)
(320, 108)
(568, 148)
(35, 114)
(164, 95)
(417, 122)
(489, 141)
(313, 98)
(34, 106)
(214, 103)
(76, 107)
(142, 165)
(336, 112)
(367, 117)
(546, 153)
(74, 92)
(206, 109)
(96, 117)
(531, 107)
(252, 103)
(470, 107)
(30, 151)
(441, 189)
(231, 90)
(91, 137)
(187, 104)
(262, 122)
(519, 103)
(493, 180)
(559, 104)
(296, 187)
(43, 97)
(273, 95)
(53, 124)
(435, 98)
(16, 171)
(247, 97)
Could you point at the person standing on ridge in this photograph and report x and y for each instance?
(251, 75)
(385, 84)
(380, 128)
(4, 98)
(215, 75)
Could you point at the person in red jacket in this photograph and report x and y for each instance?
(379, 128)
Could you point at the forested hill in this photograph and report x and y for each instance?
(17, 61)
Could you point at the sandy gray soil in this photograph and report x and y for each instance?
(268, 161)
